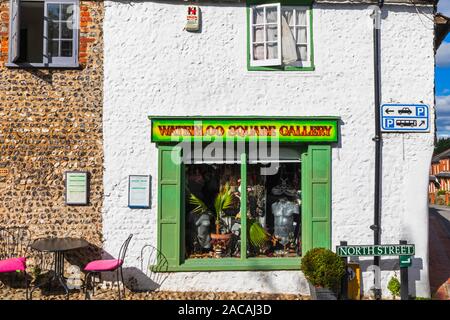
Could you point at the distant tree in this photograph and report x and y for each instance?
(442, 145)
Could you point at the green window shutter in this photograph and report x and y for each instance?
(316, 197)
(169, 203)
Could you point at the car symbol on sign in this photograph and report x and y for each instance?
(405, 110)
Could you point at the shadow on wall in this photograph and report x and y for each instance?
(393, 265)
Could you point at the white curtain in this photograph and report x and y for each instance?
(301, 17)
(258, 51)
(258, 15)
(271, 14)
(288, 43)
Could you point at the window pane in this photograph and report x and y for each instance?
(66, 48)
(258, 51)
(301, 35)
(258, 34)
(301, 18)
(303, 52)
(53, 30)
(258, 15)
(67, 11)
(213, 231)
(272, 51)
(271, 14)
(66, 30)
(272, 33)
(273, 204)
(288, 14)
(53, 48)
(53, 11)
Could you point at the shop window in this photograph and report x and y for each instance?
(280, 37)
(274, 211)
(213, 225)
(246, 213)
(43, 33)
(273, 204)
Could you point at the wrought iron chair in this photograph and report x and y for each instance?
(14, 244)
(42, 268)
(109, 265)
(154, 265)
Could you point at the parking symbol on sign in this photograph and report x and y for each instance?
(389, 123)
(421, 112)
(396, 117)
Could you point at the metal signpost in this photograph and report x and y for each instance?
(403, 250)
(405, 118)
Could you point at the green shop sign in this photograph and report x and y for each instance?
(376, 250)
(175, 129)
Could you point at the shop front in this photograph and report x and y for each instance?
(243, 193)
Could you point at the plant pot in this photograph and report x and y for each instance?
(218, 236)
(319, 293)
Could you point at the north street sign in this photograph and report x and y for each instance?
(404, 118)
(376, 250)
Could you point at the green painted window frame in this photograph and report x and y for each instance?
(172, 222)
(304, 3)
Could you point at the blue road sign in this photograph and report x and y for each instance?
(405, 118)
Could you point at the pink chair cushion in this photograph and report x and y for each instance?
(13, 265)
(103, 265)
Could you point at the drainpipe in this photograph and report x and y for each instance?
(376, 16)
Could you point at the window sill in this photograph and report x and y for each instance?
(281, 69)
(41, 66)
(234, 264)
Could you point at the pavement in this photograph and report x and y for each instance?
(439, 252)
(8, 293)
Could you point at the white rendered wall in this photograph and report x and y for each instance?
(153, 67)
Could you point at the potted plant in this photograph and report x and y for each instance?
(324, 271)
(222, 201)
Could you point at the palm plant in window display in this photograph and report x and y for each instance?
(222, 202)
(258, 236)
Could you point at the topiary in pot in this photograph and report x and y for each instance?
(324, 270)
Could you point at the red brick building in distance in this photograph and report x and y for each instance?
(439, 184)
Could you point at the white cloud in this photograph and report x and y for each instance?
(443, 103)
(443, 55)
(443, 115)
(444, 7)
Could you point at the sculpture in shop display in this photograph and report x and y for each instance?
(283, 210)
(203, 225)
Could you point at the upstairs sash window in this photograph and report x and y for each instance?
(44, 33)
(266, 35)
(280, 36)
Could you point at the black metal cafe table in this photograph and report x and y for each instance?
(58, 246)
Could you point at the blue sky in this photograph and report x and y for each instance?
(443, 79)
